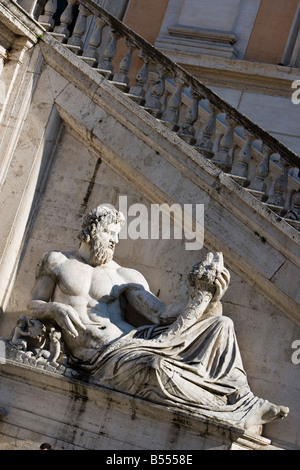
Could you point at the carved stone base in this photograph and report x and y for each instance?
(42, 406)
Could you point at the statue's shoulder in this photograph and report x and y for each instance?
(130, 276)
(50, 262)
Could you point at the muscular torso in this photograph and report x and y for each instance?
(95, 293)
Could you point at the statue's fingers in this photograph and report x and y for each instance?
(218, 288)
(226, 275)
(69, 327)
(73, 315)
(222, 281)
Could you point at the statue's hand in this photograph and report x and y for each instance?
(221, 284)
(66, 316)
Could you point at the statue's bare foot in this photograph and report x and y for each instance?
(267, 413)
(275, 412)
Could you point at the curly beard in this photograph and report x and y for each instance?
(101, 253)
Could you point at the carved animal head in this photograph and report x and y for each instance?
(36, 329)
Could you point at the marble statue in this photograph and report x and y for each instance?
(187, 358)
(25, 329)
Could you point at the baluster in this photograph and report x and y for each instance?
(258, 186)
(105, 66)
(187, 130)
(153, 104)
(137, 91)
(171, 115)
(217, 141)
(205, 143)
(243, 159)
(223, 158)
(76, 40)
(66, 19)
(95, 39)
(277, 201)
(125, 64)
(46, 19)
(294, 214)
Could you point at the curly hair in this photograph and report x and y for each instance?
(101, 216)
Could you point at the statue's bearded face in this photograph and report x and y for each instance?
(99, 234)
(103, 242)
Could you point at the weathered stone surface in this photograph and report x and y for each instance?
(81, 416)
(150, 164)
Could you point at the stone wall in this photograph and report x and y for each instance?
(82, 175)
(253, 69)
(268, 45)
(83, 142)
(71, 415)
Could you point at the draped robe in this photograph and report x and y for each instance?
(200, 370)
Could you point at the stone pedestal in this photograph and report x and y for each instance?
(40, 406)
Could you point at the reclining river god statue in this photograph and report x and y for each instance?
(188, 358)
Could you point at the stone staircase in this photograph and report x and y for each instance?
(174, 140)
(119, 93)
(258, 162)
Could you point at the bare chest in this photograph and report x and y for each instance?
(78, 279)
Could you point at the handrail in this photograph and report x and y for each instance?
(195, 83)
(274, 184)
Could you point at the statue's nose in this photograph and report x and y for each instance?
(114, 238)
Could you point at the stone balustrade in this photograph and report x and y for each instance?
(251, 156)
